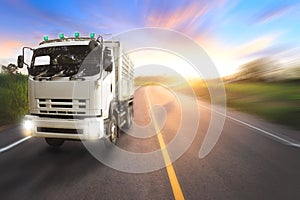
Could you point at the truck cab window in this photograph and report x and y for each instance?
(107, 59)
(66, 61)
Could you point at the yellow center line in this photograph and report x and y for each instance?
(177, 192)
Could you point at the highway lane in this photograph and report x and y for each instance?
(244, 164)
(10, 134)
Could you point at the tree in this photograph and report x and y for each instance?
(259, 69)
(10, 69)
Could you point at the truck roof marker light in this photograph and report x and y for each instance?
(61, 36)
(46, 38)
(76, 34)
(92, 35)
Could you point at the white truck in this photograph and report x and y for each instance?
(79, 88)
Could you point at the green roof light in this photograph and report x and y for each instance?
(92, 35)
(76, 34)
(46, 38)
(61, 36)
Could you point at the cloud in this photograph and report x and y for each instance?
(228, 58)
(199, 20)
(241, 50)
(176, 19)
(271, 50)
(192, 18)
(273, 11)
(255, 45)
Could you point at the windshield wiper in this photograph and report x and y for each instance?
(40, 75)
(58, 74)
(73, 78)
(48, 78)
(77, 76)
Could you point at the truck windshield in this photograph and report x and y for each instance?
(65, 61)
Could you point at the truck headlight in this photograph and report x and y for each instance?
(28, 127)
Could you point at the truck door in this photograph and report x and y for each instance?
(107, 84)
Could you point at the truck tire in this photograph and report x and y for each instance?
(113, 130)
(129, 116)
(54, 142)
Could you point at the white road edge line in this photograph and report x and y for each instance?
(14, 144)
(285, 141)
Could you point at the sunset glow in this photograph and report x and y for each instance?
(231, 32)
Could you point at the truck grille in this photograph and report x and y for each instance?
(62, 106)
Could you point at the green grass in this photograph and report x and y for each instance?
(13, 98)
(276, 102)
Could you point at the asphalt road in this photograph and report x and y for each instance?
(246, 163)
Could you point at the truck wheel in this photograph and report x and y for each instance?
(129, 116)
(54, 142)
(113, 130)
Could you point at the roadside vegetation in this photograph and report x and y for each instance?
(268, 89)
(13, 97)
(265, 88)
(277, 102)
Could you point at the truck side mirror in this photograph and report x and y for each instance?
(20, 61)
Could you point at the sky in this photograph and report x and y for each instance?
(232, 32)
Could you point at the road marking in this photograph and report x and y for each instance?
(14, 144)
(274, 136)
(177, 192)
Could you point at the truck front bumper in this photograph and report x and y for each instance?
(81, 129)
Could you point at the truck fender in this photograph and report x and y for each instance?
(106, 112)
